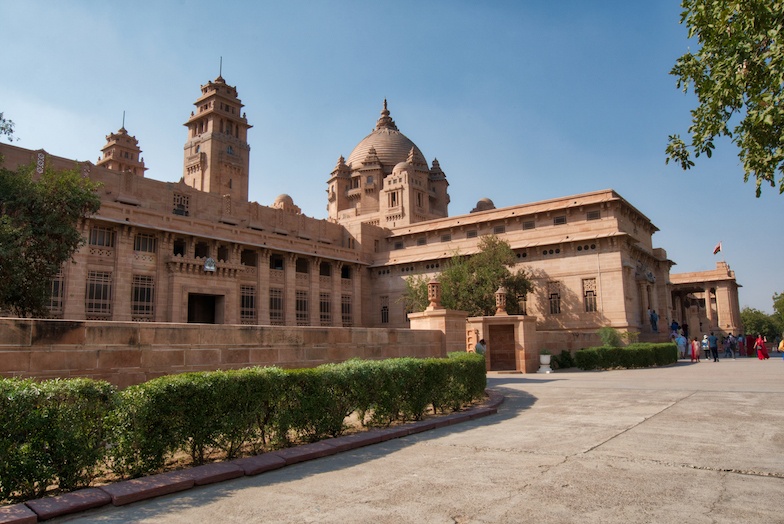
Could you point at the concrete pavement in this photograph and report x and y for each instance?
(686, 443)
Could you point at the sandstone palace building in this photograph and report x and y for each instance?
(200, 251)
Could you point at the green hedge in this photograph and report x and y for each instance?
(51, 433)
(61, 432)
(637, 355)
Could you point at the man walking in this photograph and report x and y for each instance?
(713, 344)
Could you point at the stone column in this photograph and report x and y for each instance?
(644, 305)
(337, 293)
(290, 290)
(263, 287)
(122, 275)
(356, 299)
(314, 300)
(164, 249)
(709, 308)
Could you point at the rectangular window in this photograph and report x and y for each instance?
(301, 306)
(529, 224)
(276, 306)
(143, 298)
(554, 294)
(247, 304)
(181, 204)
(102, 236)
(559, 220)
(398, 245)
(98, 295)
(499, 230)
(325, 309)
(471, 233)
(594, 215)
(57, 293)
(248, 257)
(345, 310)
(276, 262)
(446, 238)
(144, 242)
(589, 294)
(385, 309)
(421, 241)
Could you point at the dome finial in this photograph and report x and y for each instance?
(385, 121)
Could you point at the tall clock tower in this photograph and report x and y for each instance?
(217, 152)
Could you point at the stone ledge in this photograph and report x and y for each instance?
(134, 490)
(82, 500)
(260, 463)
(305, 452)
(17, 514)
(353, 441)
(215, 472)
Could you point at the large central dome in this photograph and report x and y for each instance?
(391, 146)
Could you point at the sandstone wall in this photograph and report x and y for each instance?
(126, 353)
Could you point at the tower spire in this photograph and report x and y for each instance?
(385, 121)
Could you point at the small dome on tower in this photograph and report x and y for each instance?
(484, 204)
(286, 203)
(400, 167)
(284, 199)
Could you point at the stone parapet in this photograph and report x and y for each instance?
(126, 353)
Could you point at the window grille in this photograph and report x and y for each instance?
(143, 298)
(276, 306)
(247, 304)
(98, 296)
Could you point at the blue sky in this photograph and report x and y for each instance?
(518, 101)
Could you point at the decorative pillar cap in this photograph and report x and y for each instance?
(500, 301)
(434, 295)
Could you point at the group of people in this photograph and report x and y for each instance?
(731, 344)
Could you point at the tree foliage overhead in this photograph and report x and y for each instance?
(39, 216)
(738, 76)
(469, 283)
(6, 127)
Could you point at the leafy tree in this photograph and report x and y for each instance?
(756, 321)
(6, 127)
(738, 77)
(778, 310)
(38, 232)
(415, 294)
(469, 283)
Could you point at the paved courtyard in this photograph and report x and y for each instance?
(687, 443)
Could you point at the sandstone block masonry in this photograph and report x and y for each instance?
(127, 353)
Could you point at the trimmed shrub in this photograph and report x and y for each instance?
(638, 355)
(51, 432)
(61, 431)
(563, 360)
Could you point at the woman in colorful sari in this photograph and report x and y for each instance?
(759, 345)
(695, 350)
